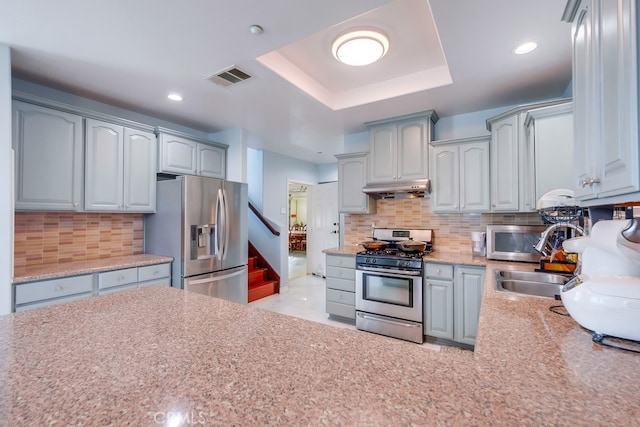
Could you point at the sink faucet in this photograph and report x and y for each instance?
(540, 247)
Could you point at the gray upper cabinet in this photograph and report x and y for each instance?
(460, 175)
(120, 168)
(352, 176)
(550, 136)
(512, 159)
(399, 147)
(605, 81)
(48, 148)
(185, 155)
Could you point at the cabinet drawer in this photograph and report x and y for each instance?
(151, 272)
(342, 310)
(117, 278)
(441, 271)
(341, 284)
(114, 289)
(341, 297)
(44, 290)
(51, 302)
(341, 273)
(341, 261)
(166, 281)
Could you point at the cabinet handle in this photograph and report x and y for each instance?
(58, 288)
(120, 277)
(156, 272)
(589, 182)
(399, 177)
(75, 204)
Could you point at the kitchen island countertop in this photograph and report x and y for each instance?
(143, 356)
(51, 271)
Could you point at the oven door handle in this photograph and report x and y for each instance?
(392, 322)
(393, 273)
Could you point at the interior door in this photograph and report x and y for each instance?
(322, 227)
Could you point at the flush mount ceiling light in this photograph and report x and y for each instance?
(523, 48)
(360, 47)
(174, 97)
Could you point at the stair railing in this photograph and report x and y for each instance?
(263, 220)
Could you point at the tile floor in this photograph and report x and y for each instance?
(304, 298)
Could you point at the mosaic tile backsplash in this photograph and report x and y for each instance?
(53, 237)
(452, 232)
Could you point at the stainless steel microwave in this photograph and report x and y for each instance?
(513, 242)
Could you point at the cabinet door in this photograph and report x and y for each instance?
(212, 161)
(139, 171)
(438, 309)
(618, 160)
(352, 176)
(446, 175)
(468, 298)
(474, 177)
(48, 147)
(177, 155)
(504, 164)
(382, 153)
(104, 166)
(413, 150)
(584, 91)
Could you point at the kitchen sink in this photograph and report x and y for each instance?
(530, 283)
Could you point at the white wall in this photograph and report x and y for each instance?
(6, 182)
(236, 139)
(356, 142)
(255, 176)
(328, 172)
(466, 125)
(279, 170)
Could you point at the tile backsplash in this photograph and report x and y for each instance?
(452, 232)
(52, 237)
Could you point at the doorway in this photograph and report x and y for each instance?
(297, 224)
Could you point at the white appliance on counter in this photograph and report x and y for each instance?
(605, 296)
(202, 223)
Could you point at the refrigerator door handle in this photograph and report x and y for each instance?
(225, 224)
(215, 278)
(219, 225)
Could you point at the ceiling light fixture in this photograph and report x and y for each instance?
(174, 97)
(523, 48)
(360, 47)
(256, 29)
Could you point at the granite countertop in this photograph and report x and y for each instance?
(51, 271)
(142, 356)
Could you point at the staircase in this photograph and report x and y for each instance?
(263, 280)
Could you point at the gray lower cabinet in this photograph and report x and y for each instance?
(453, 295)
(50, 292)
(467, 296)
(341, 286)
(43, 293)
(438, 307)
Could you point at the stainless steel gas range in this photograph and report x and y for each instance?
(389, 287)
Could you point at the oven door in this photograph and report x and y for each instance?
(389, 293)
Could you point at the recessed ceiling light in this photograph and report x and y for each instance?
(360, 47)
(256, 29)
(174, 97)
(523, 48)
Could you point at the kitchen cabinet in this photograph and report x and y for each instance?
(467, 300)
(352, 176)
(44, 293)
(48, 148)
(453, 295)
(120, 168)
(51, 292)
(399, 147)
(605, 80)
(438, 305)
(341, 286)
(550, 140)
(186, 155)
(460, 175)
(511, 161)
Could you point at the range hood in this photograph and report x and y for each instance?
(419, 188)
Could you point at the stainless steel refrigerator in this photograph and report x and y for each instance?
(202, 223)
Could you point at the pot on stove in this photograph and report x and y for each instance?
(374, 245)
(411, 246)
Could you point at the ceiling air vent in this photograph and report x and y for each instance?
(229, 76)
